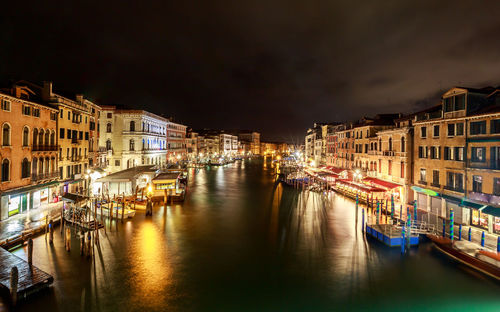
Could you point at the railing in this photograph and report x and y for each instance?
(75, 141)
(40, 148)
(493, 164)
(454, 189)
(388, 153)
(44, 176)
(76, 158)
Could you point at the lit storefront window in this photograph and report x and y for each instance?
(479, 219)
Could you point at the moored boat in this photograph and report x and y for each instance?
(474, 259)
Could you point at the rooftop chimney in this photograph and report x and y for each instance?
(47, 90)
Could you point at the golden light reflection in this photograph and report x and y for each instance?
(151, 268)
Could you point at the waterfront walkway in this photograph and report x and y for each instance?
(31, 220)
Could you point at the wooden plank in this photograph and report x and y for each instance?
(31, 278)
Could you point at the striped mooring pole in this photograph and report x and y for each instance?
(392, 206)
(378, 211)
(407, 211)
(482, 239)
(470, 233)
(459, 232)
(363, 220)
(444, 227)
(403, 240)
(498, 244)
(401, 212)
(452, 217)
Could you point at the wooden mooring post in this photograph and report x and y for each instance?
(14, 279)
(30, 251)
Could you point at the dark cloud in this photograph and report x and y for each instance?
(276, 66)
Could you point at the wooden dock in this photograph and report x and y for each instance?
(31, 278)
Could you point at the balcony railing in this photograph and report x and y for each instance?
(44, 148)
(44, 176)
(454, 189)
(388, 153)
(492, 164)
(75, 140)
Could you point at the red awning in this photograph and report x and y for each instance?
(360, 187)
(382, 183)
(334, 170)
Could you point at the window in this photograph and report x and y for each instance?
(132, 145)
(403, 145)
(478, 154)
(80, 135)
(460, 102)
(108, 127)
(495, 126)
(6, 135)
(435, 177)
(436, 131)
(92, 125)
(459, 153)
(26, 110)
(454, 181)
(6, 105)
(460, 128)
(402, 170)
(435, 152)
(69, 115)
(421, 152)
(26, 136)
(61, 115)
(53, 116)
(389, 167)
(448, 104)
(477, 184)
(390, 144)
(451, 129)
(132, 126)
(61, 133)
(25, 168)
(422, 175)
(109, 115)
(478, 127)
(448, 153)
(86, 136)
(5, 170)
(117, 162)
(496, 186)
(423, 132)
(108, 145)
(36, 112)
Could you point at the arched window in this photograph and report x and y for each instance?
(108, 127)
(108, 145)
(40, 166)
(35, 137)
(132, 125)
(143, 144)
(47, 165)
(132, 145)
(47, 137)
(40, 137)
(26, 136)
(53, 138)
(390, 144)
(52, 164)
(5, 170)
(6, 135)
(380, 144)
(403, 146)
(34, 166)
(25, 168)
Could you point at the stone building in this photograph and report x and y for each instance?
(176, 141)
(132, 138)
(28, 151)
(456, 157)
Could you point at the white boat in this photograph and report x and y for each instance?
(128, 213)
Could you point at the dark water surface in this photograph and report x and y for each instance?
(241, 243)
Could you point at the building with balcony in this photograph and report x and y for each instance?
(249, 141)
(176, 141)
(28, 151)
(132, 137)
(456, 157)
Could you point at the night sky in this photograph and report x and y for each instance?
(273, 66)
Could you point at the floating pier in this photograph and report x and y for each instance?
(390, 234)
(30, 278)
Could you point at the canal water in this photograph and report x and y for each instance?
(240, 242)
